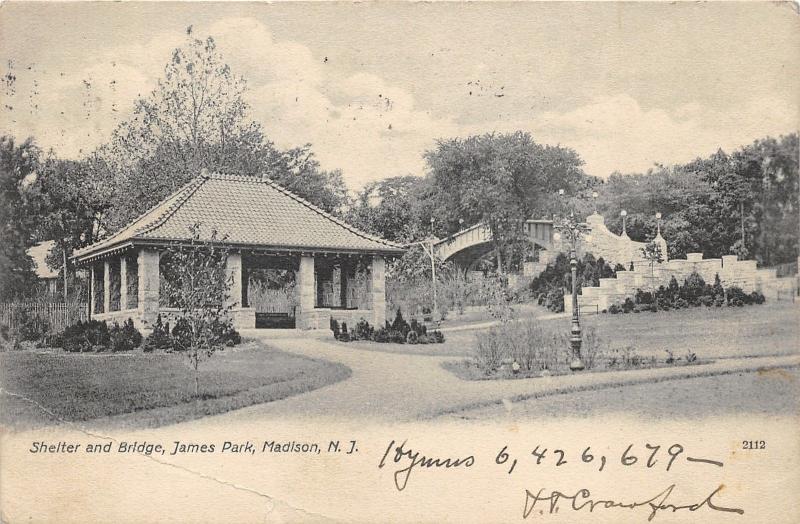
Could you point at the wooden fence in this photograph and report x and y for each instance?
(54, 316)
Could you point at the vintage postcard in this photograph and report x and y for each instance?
(399, 262)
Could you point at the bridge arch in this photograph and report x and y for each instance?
(472, 244)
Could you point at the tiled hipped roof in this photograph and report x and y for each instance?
(249, 211)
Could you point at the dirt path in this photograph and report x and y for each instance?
(399, 387)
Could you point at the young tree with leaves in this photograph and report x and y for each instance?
(196, 282)
(653, 254)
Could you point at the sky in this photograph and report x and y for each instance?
(372, 86)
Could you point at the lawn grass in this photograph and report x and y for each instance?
(759, 330)
(152, 388)
(468, 369)
(711, 332)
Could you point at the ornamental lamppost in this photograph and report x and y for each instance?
(658, 224)
(624, 215)
(595, 194)
(571, 230)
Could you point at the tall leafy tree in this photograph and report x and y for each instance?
(197, 118)
(745, 202)
(72, 199)
(500, 180)
(18, 164)
(391, 208)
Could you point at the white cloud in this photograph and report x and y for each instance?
(367, 127)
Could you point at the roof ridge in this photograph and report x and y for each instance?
(265, 178)
(187, 190)
(148, 227)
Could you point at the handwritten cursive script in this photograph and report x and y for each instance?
(413, 459)
(582, 500)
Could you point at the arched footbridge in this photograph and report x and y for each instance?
(474, 243)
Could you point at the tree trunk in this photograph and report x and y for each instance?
(500, 270)
(196, 375)
(741, 213)
(64, 270)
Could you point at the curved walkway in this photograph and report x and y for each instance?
(401, 387)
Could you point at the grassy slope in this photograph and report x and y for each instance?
(157, 388)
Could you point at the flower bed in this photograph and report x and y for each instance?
(694, 292)
(398, 332)
(525, 349)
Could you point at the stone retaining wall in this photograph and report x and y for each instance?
(732, 272)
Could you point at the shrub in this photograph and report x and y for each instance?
(627, 358)
(717, 290)
(224, 333)
(643, 297)
(362, 331)
(757, 297)
(381, 335)
(549, 285)
(181, 335)
(693, 287)
(419, 329)
(706, 300)
(81, 337)
(344, 336)
(614, 309)
(397, 337)
(489, 351)
(673, 289)
(400, 324)
(736, 296)
(525, 343)
(413, 333)
(158, 338)
(681, 303)
(124, 338)
(555, 300)
(628, 305)
(32, 327)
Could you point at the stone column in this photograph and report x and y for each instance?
(123, 282)
(306, 292)
(149, 283)
(233, 268)
(378, 291)
(92, 284)
(106, 286)
(243, 318)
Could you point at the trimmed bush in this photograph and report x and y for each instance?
(362, 331)
(125, 338)
(95, 335)
(413, 333)
(693, 292)
(159, 338)
(344, 336)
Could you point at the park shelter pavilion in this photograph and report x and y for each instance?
(291, 263)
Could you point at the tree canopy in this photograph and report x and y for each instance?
(709, 204)
(18, 164)
(500, 180)
(197, 118)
